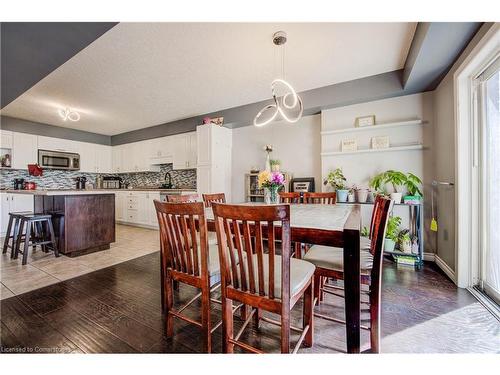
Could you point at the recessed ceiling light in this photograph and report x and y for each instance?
(68, 114)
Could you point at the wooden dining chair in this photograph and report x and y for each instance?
(320, 198)
(264, 281)
(182, 198)
(187, 258)
(217, 197)
(289, 197)
(329, 263)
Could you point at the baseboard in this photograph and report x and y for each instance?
(429, 257)
(445, 268)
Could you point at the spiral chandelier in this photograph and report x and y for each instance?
(286, 101)
(68, 114)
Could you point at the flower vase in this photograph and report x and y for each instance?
(271, 195)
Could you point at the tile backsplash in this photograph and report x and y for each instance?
(56, 179)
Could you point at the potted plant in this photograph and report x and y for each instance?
(361, 195)
(350, 196)
(275, 165)
(395, 178)
(391, 234)
(413, 184)
(337, 181)
(271, 182)
(404, 241)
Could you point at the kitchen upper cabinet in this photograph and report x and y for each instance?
(185, 151)
(87, 157)
(24, 150)
(6, 139)
(58, 144)
(103, 158)
(160, 150)
(116, 159)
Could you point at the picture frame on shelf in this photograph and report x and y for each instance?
(363, 121)
(380, 142)
(349, 145)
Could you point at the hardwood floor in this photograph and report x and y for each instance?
(117, 310)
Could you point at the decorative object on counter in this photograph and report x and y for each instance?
(380, 142)
(80, 182)
(29, 185)
(349, 145)
(391, 234)
(35, 170)
(275, 165)
(268, 149)
(271, 182)
(68, 114)
(286, 101)
(18, 183)
(364, 121)
(6, 162)
(337, 181)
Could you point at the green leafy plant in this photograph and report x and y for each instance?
(392, 230)
(378, 183)
(274, 162)
(404, 236)
(365, 232)
(412, 184)
(336, 179)
(395, 178)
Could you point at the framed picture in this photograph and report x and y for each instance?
(302, 184)
(380, 142)
(364, 121)
(349, 145)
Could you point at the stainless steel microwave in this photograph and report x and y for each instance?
(58, 160)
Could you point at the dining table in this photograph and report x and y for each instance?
(335, 226)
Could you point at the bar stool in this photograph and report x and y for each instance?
(15, 225)
(44, 236)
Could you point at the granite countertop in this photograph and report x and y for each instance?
(86, 192)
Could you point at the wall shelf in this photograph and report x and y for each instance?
(375, 127)
(369, 150)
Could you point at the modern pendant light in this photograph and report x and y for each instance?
(286, 101)
(68, 114)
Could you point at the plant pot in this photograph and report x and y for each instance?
(342, 195)
(396, 197)
(361, 195)
(405, 247)
(370, 197)
(389, 244)
(351, 198)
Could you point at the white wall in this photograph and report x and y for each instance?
(359, 168)
(296, 145)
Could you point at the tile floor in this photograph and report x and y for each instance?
(45, 269)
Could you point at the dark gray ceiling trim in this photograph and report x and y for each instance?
(361, 90)
(434, 49)
(24, 126)
(32, 50)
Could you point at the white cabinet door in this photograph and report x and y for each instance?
(204, 180)
(5, 208)
(120, 206)
(203, 143)
(143, 211)
(153, 219)
(57, 144)
(180, 156)
(21, 202)
(87, 157)
(117, 159)
(5, 139)
(103, 158)
(24, 150)
(128, 158)
(192, 150)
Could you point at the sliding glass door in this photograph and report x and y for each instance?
(488, 90)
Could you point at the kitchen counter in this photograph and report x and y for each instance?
(87, 192)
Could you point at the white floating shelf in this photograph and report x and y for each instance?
(375, 127)
(368, 150)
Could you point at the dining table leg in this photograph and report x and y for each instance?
(352, 289)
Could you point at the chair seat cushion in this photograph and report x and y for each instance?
(332, 258)
(300, 274)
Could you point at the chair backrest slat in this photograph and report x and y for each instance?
(320, 198)
(208, 199)
(378, 198)
(183, 235)
(289, 197)
(253, 223)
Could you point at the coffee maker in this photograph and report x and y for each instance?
(80, 183)
(18, 183)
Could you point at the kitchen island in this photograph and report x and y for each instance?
(84, 221)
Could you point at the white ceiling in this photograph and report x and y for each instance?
(143, 74)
